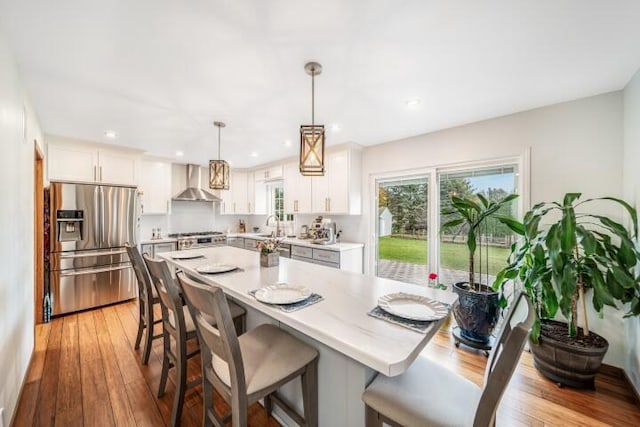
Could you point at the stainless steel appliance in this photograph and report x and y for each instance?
(194, 191)
(89, 266)
(200, 239)
(324, 231)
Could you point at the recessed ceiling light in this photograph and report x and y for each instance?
(254, 154)
(336, 127)
(179, 154)
(111, 134)
(414, 102)
(287, 143)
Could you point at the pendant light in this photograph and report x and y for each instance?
(218, 169)
(312, 137)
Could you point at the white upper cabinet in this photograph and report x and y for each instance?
(72, 163)
(339, 191)
(236, 201)
(269, 174)
(154, 184)
(116, 168)
(84, 162)
(297, 190)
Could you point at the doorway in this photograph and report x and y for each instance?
(38, 233)
(402, 231)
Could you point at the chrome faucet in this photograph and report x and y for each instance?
(277, 224)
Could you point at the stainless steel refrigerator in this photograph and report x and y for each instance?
(89, 266)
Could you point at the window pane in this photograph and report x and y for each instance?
(493, 240)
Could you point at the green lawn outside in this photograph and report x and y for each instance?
(452, 255)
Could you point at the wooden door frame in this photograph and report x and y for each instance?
(38, 233)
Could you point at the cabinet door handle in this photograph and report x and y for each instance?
(168, 206)
(249, 206)
(95, 173)
(100, 173)
(295, 206)
(234, 207)
(329, 202)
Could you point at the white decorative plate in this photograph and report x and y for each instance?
(413, 307)
(215, 268)
(187, 255)
(282, 293)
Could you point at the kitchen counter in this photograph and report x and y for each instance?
(353, 346)
(342, 246)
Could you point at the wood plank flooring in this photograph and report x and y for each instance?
(85, 372)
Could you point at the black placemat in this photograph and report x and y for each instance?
(288, 308)
(414, 325)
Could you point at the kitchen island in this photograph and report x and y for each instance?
(353, 346)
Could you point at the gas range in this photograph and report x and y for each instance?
(200, 239)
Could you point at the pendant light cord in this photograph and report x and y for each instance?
(218, 142)
(313, 91)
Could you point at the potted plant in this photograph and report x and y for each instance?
(477, 310)
(269, 255)
(573, 253)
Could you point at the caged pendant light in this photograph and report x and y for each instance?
(312, 136)
(218, 169)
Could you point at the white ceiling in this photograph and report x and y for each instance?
(158, 72)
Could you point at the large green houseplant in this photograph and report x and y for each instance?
(477, 310)
(564, 253)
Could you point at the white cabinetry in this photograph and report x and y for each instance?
(155, 187)
(84, 162)
(339, 190)
(235, 201)
(297, 190)
(270, 173)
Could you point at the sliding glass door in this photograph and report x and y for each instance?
(494, 183)
(402, 230)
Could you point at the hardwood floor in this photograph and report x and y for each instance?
(86, 372)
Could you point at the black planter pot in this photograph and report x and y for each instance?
(566, 364)
(476, 312)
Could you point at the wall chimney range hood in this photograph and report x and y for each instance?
(194, 191)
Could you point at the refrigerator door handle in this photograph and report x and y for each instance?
(96, 216)
(90, 254)
(93, 270)
(103, 230)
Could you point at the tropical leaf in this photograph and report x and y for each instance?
(569, 198)
(568, 230)
(513, 224)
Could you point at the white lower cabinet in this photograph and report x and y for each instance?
(350, 260)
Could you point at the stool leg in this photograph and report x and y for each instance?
(181, 382)
(166, 364)
(371, 418)
(207, 402)
(310, 394)
(148, 335)
(141, 325)
(268, 404)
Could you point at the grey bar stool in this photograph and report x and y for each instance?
(177, 326)
(248, 368)
(147, 298)
(428, 394)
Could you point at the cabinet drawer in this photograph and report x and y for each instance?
(250, 244)
(301, 251)
(159, 248)
(327, 256)
(237, 242)
(326, 264)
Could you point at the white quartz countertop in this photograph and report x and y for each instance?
(342, 246)
(340, 321)
(156, 241)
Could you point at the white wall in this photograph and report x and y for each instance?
(632, 194)
(574, 146)
(16, 239)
